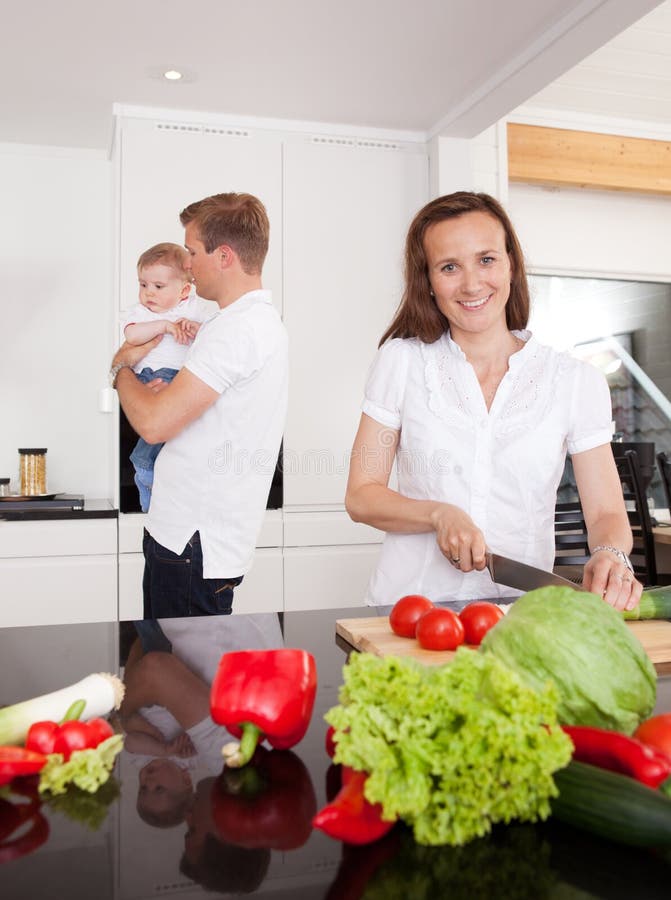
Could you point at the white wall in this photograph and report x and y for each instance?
(56, 258)
(611, 234)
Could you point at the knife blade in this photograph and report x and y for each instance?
(522, 576)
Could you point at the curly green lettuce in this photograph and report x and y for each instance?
(512, 863)
(87, 769)
(89, 809)
(449, 749)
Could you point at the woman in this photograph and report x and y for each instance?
(478, 417)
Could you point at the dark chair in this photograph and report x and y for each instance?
(645, 451)
(664, 466)
(643, 552)
(571, 547)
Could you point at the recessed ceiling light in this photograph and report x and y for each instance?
(169, 72)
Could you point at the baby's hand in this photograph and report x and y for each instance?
(182, 746)
(189, 326)
(178, 331)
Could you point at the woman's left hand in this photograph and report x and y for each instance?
(606, 575)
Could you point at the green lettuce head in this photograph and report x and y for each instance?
(602, 673)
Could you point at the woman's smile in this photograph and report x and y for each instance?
(469, 271)
(475, 304)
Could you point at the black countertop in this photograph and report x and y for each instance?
(155, 841)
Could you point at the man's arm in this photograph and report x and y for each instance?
(159, 411)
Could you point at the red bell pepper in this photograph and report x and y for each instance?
(359, 865)
(16, 761)
(619, 753)
(259, 694)
(350, 817)
(13, 818)
(269, 803)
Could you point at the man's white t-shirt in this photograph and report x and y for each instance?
(214, 476)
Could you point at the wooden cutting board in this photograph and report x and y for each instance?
(374, 635)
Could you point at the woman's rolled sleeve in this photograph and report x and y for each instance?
(591, 419)
(383, 396)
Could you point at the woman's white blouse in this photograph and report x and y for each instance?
(502, 467)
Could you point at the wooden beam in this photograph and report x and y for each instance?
(585, 159)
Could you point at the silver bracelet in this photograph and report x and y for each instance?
(621, 555)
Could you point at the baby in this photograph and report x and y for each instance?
(166, 307)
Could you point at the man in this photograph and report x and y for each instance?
(222, 418)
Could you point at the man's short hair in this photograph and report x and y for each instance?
(166, 254)
(238, 220)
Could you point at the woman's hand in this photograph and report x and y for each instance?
(607, 525)
(459, 538)
(606, 575)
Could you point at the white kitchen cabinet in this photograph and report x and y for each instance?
(261, 590)
(346, 213)
(164, 167)
(339, 209)
(327, 577)
(58, 571)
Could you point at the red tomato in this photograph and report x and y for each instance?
(73, 735)
(329, 743)
(41, 737)
(477, 618)
(100, 730)
(656, 732)
(406, 612)
(440, 629)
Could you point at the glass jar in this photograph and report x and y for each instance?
(32, 471)
(4, 487)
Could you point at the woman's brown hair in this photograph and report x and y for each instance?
(418, 315)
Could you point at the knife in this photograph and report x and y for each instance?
(523, 577)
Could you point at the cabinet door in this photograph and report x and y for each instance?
(261, 590)
(163, 168)
(347, 210)
(58, 590)
(327, 577)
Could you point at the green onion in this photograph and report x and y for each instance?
(100, 693)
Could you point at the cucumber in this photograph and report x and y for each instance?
(655, 603)
(612, 806)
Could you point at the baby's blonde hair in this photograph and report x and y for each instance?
(166, 254)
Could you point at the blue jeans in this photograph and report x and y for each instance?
(173, 584)
(144, 455)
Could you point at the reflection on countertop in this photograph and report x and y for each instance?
(171, 825)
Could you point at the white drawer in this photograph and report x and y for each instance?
(58, 537)
(131, 528)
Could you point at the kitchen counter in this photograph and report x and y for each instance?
(153, 835)
(34, 510)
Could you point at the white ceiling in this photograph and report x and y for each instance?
(629, 78)
(430, 66)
